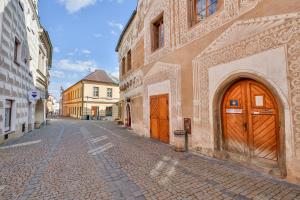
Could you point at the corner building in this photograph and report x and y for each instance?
(94, 97)
(230, 66)
(21, 37)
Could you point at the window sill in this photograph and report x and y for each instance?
(157, 50)
(9, 132)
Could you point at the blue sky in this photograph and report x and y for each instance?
(84, 34)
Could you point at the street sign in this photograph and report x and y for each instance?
(34, 95)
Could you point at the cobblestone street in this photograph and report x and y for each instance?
(71, 159)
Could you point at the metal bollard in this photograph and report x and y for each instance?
(186, 144)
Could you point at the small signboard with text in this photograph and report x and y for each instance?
(34, 95)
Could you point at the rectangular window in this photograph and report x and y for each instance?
(123, 66)
(17, 51)
(7, 117)
(96, 92)
(129, 60)
(158, 38)
(199, 10)
(108, 111)
(109, 92)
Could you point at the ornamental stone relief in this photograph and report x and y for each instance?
(286, 33)
(231, 10)
(136, 30)
(133, 81)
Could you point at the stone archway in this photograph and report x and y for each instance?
(217, 109)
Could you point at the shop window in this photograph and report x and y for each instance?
(17, 51)
(8, 115)
(199, 10)
(158, 39)
(96, 92)
(109, 92)
(129, 60)
(108, 111)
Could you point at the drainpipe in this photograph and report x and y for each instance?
(82, 98)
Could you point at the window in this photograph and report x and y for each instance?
(158, 34)
(129, 60)
(109, 92)
(7, 117)
(96, 92)
(17, 51)
(123, 66)
(108, 111)
(201, 9)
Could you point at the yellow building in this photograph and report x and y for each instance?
(94, 97)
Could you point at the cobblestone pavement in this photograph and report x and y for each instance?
(71, 159)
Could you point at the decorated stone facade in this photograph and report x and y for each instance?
(18, 65)
(198, 63)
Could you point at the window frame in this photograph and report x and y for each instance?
(193, 17)
(17, 51)
(129, 60)
(158, 33)
(96, 91)
(8, 105)
(109, 92)
(123, 66)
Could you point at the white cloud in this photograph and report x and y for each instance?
(57, 74)
(56, 49)
(115, 73)
(76, 66)
(73, 6)
(85, 51)
(113, 32)
(116, 25)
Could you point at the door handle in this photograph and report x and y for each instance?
(245, 126)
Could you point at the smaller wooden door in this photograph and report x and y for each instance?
(159, 117)
(128, 113)
(94, 111)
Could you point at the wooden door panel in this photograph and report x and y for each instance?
(154, 118)
(235, 137)
(164, 118)
(263, 121)
(234, 130)
(154, 128)
(265, 137)
(159, 118)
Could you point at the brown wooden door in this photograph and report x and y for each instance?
(250, 121)
(159, 118)
(94, 111)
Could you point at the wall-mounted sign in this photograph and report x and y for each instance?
(234, 103)
(188, 125)
(234, 111)
(259, 101)
(34, 95)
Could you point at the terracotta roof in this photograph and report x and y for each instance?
(99, 76)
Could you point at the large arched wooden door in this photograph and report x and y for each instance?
(250, 121)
